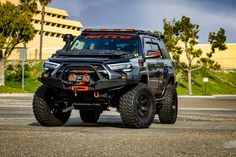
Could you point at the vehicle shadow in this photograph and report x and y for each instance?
(104, 121)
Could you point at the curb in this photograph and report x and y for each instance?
(180, 96)
(200, 96)
(17, 95)
(207, 97)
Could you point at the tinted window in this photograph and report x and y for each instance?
(147, 45)
(155, 45)
(125, 43)
(164, 49)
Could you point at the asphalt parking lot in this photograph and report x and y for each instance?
(205, 127)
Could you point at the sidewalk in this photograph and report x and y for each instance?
(16, 94)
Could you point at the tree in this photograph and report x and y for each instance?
(181, 37)
(43, 3)
(15, 28)
(217, 41)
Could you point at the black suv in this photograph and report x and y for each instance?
(128, 69)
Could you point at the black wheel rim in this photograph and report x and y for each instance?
(54, 107)
(143, 106)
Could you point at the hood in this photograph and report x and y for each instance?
(90, 56)
(92, 53)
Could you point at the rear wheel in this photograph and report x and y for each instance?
(169, 110)
(137, 107)
(89, 116)
(46, 109)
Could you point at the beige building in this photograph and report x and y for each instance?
(56, 25)
(226, 58)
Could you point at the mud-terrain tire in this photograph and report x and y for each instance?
(89, 116)
(45, 111)
(137, 107)
(169, 110)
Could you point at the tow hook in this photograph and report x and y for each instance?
(96, 94)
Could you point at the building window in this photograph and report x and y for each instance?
(47, 33)
(47, 23)
(52, 34)
(53, 24)
(69, 27)
(58, 25)
(58, 35)
(63, 26)
(36, 32)
(36, 21)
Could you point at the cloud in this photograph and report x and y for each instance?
(148, 14)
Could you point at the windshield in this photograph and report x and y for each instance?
(127, 43)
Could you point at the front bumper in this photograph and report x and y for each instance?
(101, 85)
(112, 80)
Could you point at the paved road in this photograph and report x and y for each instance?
(205, 127)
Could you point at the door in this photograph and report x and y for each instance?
(155, 65)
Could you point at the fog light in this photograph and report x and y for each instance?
(46, 74)
(72, 77)
(85, 78)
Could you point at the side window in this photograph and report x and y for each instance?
(155, 45)
(164, 50)
(147, 46)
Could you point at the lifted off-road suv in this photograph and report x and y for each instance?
(128, 69)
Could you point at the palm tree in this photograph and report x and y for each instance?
(43, 4)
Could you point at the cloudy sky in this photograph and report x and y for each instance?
(149, 14)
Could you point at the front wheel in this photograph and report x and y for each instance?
(137, 107)
(169, 110)
(46, 110)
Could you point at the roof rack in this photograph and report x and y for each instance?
(121, 30)
(148, 33)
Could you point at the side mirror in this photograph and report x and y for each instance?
(153, 54)
(68, 38)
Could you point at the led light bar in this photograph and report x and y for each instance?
(109, 30)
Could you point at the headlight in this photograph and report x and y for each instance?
(120, 66)
(50, 65)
